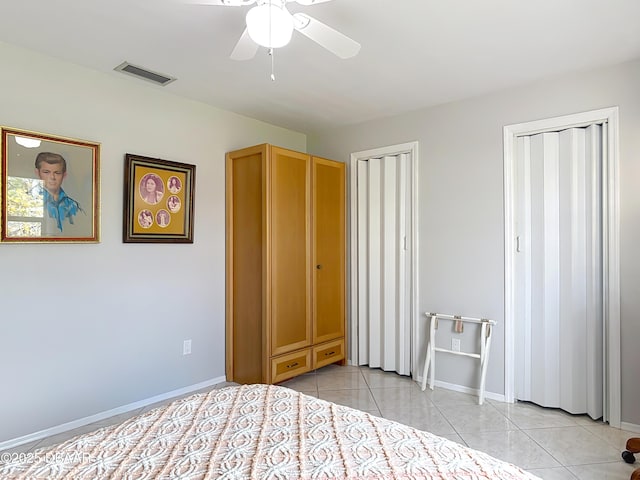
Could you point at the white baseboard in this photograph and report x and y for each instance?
(499, 397)
(630, 427)
(14, 442)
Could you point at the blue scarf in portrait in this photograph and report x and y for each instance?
(64, 207)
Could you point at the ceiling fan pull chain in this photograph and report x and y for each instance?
(273, 75)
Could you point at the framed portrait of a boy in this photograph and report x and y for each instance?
(158, 200)
(50, 188)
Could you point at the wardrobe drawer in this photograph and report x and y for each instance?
(327, 353)
(290, 365)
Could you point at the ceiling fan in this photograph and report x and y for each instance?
(270, 25)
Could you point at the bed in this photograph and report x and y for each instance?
(258, 431)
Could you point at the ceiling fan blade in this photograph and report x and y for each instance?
(245, 49)
(334, 41)
(310, 2)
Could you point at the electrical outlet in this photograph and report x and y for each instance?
(186, 347)
(455, 344)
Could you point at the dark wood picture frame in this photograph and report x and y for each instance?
(158, 200)
(50, 188)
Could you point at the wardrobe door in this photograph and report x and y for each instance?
(244, 282)
(289, 247)
(328, 214)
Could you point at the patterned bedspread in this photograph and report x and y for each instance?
(255, 432)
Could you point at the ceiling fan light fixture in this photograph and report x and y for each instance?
(270, 25)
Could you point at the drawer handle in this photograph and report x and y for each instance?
(329, 353)
(318, 267)
(293, 365)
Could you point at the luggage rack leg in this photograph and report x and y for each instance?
(430, 357)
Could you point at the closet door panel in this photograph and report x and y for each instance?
(289, 282)
(328, 249)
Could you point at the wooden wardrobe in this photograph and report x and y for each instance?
(286, 288)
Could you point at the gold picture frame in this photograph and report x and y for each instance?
(158, 200)
(50, 188)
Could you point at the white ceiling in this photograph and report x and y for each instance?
(415, 53)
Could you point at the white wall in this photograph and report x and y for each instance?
(461, 205)
(86, 328)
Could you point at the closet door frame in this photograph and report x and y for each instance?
(410, 148)
(611, 245)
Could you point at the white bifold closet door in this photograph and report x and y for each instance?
(559, 262)
(384, 219)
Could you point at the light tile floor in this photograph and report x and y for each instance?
(549, 443)
(552, 444)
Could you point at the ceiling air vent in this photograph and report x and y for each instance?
(144, 74)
